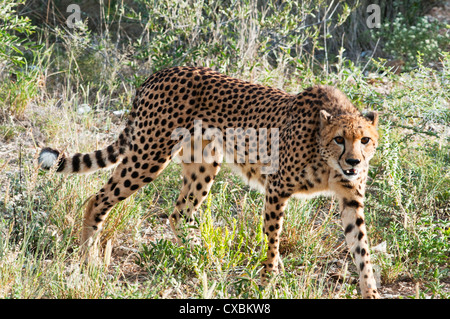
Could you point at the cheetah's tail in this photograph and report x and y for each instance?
(88, 162)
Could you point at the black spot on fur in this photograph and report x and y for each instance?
(76, 162)
(349, 228)
(353, 203)
(87, 160)
(147, 180)
(154, 169)
(359, 221)
(61, 165)
(99, 158)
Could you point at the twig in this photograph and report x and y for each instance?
(371, 57)
(20, 163)
(324, 20)
(417, 130)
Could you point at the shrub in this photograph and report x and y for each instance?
(404, 41)
(19, 80)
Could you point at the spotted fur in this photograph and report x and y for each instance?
(324, 143)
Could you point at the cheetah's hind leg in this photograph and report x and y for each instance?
(128, 177)
(199, 173)
(197, 181)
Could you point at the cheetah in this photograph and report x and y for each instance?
(322, 141)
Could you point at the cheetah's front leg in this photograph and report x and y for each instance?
(273, 221)
(353, 221)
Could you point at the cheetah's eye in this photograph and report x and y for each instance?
(339, 140)
(365, 140)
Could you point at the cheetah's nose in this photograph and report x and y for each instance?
(352, 161)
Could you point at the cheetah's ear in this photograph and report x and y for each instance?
(373, 117)
(325, 118)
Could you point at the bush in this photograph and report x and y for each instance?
(12, 46)
(19, 80)
(404, 41)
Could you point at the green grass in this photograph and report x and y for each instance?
(408, 200)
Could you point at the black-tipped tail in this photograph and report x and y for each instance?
(48, 157)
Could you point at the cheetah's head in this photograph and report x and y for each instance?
(348, 142)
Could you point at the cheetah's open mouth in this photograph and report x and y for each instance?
(350, 172)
